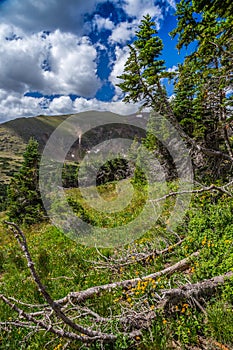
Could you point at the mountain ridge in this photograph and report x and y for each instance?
(15, 134)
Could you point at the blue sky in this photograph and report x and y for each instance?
(64, 56)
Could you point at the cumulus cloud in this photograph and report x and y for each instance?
(139, 8)
(118, 68)
(38, 15)
(61, 105)
(44, 48)
(15, 106)
(100, 23)
(119, 107)
(123, 32)
(69, 61)
(73, 69)
(172, 69)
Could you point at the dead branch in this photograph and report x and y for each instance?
(53, 304)
(197, 191)
(85, 294)
(135, 257)
(197, 290)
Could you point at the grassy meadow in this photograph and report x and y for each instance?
(65, 266)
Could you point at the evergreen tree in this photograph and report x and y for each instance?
(141, 81)
(144, 70)
(205, 77)
(201, 111)
(24, 201)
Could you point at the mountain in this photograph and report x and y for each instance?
(15, 134)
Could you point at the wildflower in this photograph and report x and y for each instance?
(203, 241)
(164, 321)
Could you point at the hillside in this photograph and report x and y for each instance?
(14, 136)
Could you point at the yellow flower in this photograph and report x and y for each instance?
(152, 307)
(164, 321)
(203, 241)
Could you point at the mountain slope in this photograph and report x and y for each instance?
(14, 135)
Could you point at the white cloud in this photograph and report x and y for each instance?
(15, 106)
(101, 23)
(172, 69)
(20, 60)
(172, 3)
(123, 32)
(73, 66)
(71, 62)
(139, 8)
(61, 105)
(118, 68)
(38, 15)
(118, 107)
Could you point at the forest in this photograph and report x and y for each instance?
(172, 286)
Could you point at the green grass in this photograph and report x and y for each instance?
(208, 227)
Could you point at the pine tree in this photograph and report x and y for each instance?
(141, 82)
(144, 69)
(24, 201)
(201, 111)
(206, 76)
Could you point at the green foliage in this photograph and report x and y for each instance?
(69, 175)
(3, 195)
(144, 69)
(201, 102)
(108, 192)
(65, 266)
(23, 197)
(220, 322)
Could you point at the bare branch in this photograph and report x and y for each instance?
(135, 257)
(53, 304)
(85, 294)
